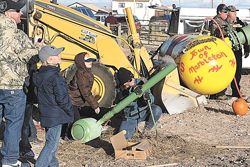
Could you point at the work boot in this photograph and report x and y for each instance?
(27, 155)
(231, 100)
(222, 97)
(248, 100)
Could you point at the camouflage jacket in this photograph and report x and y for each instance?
(15, 51)
(214, 29)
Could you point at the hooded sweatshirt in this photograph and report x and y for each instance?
(81, 85)
(53, 100)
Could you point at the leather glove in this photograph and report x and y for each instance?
(97, 110)
(146, 96)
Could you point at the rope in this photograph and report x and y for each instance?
(222, 37)
(153, 118)
(238, 90)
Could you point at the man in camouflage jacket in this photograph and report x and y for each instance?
(218, 23)
(15, 51)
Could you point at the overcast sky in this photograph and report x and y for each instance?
(182, 3)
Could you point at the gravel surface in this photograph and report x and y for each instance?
(187, 139)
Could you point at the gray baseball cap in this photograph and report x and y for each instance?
(48, 51)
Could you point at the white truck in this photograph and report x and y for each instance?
(191, 20)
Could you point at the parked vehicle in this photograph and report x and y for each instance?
(123, 20)
(101, 18)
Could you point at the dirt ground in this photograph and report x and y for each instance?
(187, 139)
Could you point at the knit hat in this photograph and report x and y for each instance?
(11, 4)
(124, 75)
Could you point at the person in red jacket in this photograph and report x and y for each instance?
(112, 20)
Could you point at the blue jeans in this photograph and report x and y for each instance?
(28, 129)
(12, 103)
(47, 156)
(131, 123)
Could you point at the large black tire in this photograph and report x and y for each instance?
(104, 85)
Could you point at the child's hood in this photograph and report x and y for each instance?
(80, 62)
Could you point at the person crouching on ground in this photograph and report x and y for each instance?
(80, 87)
(138, 111)
(53, 101)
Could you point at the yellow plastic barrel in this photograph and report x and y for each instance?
(209, 66)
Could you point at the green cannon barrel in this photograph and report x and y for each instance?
(244, 35)
(88, 129)
(239, 38)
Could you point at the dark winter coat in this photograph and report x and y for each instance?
(53, 100)
(214, 29)
(29, 87)
(134, 109)
(81, 85)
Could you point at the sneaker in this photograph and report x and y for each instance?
(17, 164)
(27, 155)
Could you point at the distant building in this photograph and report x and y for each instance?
(95, 9)
(140, 8)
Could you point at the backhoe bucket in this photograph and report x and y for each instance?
(174, 98)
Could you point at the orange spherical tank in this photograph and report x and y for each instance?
(208, 65)
(240, 107)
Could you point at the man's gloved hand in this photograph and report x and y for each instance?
(97, 110)
(146, 96)
(143, 79)
(246, 54)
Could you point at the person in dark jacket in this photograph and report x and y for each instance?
(53, 101)
(112, 21)
(138, 111)
(220, 19)
(222, 24)
(237, 24)
(29, 130)
(80, 87)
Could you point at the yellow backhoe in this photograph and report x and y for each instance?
(62, 26)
